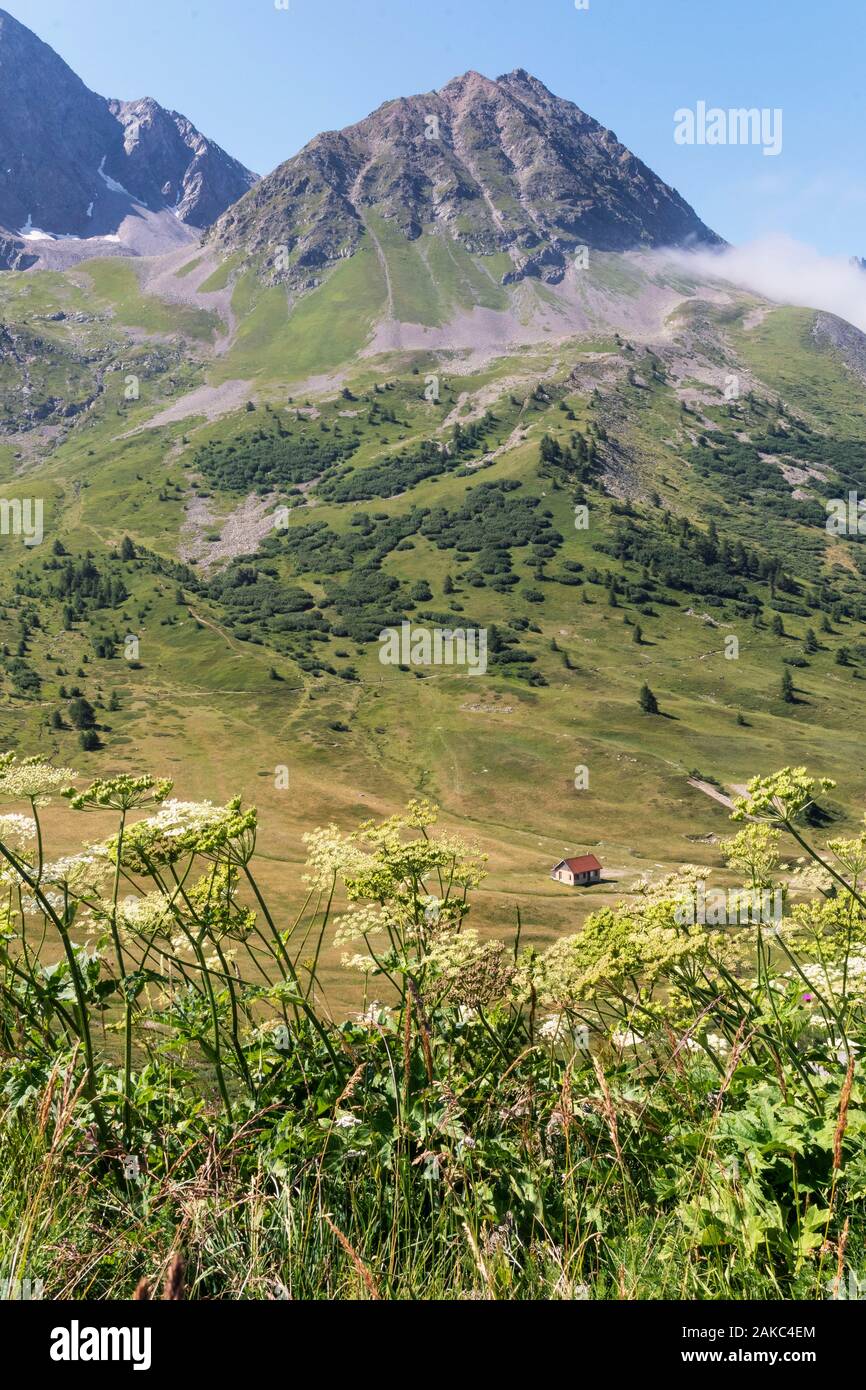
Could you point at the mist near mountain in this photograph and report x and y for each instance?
(786, 271)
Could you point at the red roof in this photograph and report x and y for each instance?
(583, 864)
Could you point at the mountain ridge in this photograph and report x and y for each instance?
(76, 165)
(498, 165)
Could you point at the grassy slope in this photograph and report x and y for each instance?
(114, 283)
(499, 756)
(321, 332)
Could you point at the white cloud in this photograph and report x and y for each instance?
(787, 271)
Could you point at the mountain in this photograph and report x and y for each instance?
(427, 413)
(168, 161)
(74, 165)
(498, 166)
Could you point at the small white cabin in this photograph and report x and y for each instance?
(577, 873)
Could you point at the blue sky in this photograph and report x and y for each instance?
(263, 81)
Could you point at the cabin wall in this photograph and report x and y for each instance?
(577, 880)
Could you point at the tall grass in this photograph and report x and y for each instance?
(657, 1107)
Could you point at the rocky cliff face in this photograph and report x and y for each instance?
(170, 163)
(499, 165)
(74, 164)
(844, 338)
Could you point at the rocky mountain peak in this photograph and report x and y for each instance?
(74, 164)
(499, 165)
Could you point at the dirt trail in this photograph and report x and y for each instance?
(383, 261)
(722, 797)
(355, 200)
(234, 645)
(709, 790)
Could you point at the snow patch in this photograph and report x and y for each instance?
(109, 182)
(31, 233)
(174, 208)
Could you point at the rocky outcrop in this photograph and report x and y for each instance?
(170, 164)
(844, 338)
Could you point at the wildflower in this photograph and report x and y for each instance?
(809, 878)
(16, 834)
(33, 907)
(784, 795)
(832, 976)
(330, 852)
(80, 875)
(365, 964)
(231, 832)
(180, 828)
(32, 779)
(827, 926)
(755, 852)
(212, 899)
(851, 854)
(360, 923)
(432, 907)
(550, 1027)
(379, 864)
(466, 971)
(17, 831)
(636, 941)
(558, 1028)
(122, 793)
(149, 916)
